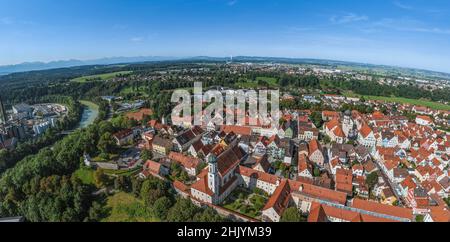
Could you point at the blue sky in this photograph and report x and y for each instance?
(414, 33)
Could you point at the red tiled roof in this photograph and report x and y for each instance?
(440, 214)
(186, 161)
(344, 181)
(202, 183)
(317, 214)
(378, 115)
(409, 183)
(180, 186)
(280, 198)
(382, 208)
(321, 210)
(139, 115)
(152, 167)
(365, 130)
(332, 124)
(318, 192)
(332, 114)
(426, 118)
(239, 130)
(266, 177)
(303, 163)
(313, 146)
(338, 132)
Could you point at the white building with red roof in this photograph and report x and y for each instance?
(424, 120)
(216, 183)
(366, 136)
(316, 153)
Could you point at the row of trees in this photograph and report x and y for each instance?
(23, 189)
(41, 187)
(161, 202)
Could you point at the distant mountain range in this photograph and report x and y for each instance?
(38, 66)
(345, 65)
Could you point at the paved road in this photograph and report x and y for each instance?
(395, 188)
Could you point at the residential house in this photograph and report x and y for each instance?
(316, 153)
(161, 146)
(124, 137)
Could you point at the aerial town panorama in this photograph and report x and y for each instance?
(99, 141)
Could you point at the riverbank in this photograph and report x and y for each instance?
(90, 114)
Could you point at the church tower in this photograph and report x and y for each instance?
(347, 124)
(213, 175)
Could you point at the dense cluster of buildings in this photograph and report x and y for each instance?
(25, 121)
(356, 168)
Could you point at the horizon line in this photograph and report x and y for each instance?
(170, 58)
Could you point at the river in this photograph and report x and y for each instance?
(90, 114)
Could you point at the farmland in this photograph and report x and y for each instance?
(100, 77)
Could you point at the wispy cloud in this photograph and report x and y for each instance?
(232, 2)
(402, 5)
(426, 10)
(137, 39)
(348, 18)
(405, 25)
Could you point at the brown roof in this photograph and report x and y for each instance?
(229, 159)
(159, 141)
(264, 162)
(124, 133)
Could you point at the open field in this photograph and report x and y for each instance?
(420, 102)
(124, 207)
(100, 77)
(86, 175)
